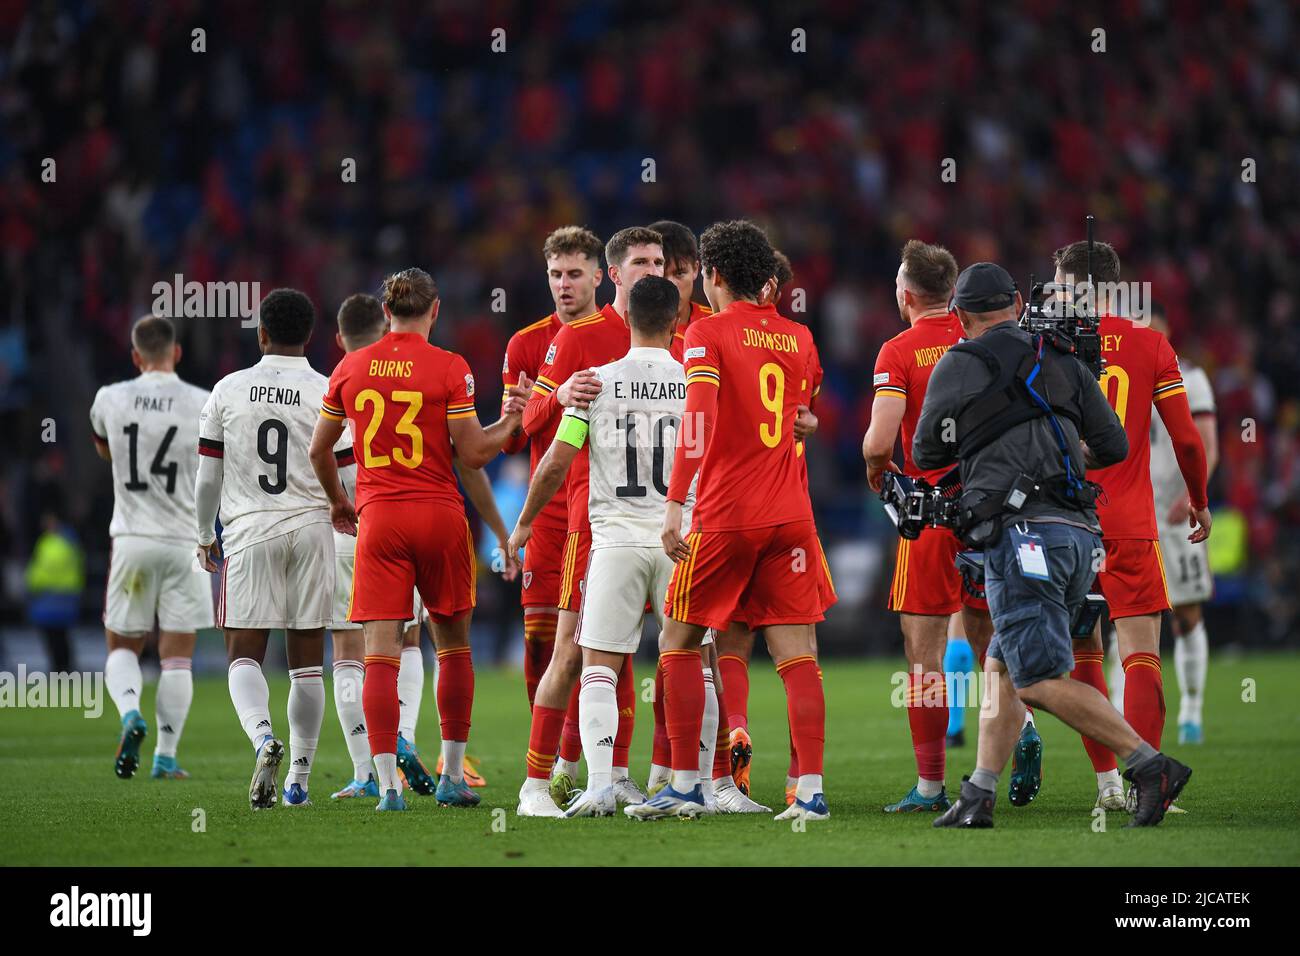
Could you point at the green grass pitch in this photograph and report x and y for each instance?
(62, 805)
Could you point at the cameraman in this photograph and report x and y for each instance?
(1025, 502)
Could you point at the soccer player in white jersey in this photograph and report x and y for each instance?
(277, 538)
(629, 429)
(1187, 568)
(362, 322)
(148, 428)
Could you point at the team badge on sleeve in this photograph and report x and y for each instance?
(550, 355)
(882, 378)
(528, 580)
(505, 365)
(469, 385)
(696, 352)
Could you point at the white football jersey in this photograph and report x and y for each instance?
(259, 421)
(631, 440)
(151, 424)
(1167, 483)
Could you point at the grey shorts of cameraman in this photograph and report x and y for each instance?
(1031, 616)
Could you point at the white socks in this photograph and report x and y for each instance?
(175, 693)
(453, 759)
(1108, 780)
(598, 724)
(659, 776)
(306, 711)
(926, 788)
(252, 699)
(1191, 655)
(386, 771)
(708, 733)
(809, 785)
(349, 677)
(563, 766)
(122, 678)
(410, 689)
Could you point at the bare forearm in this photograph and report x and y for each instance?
(546, 482)
(479, 490)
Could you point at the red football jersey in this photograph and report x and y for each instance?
(526, 353)
(812, 384)
(903, 368)
(750, 473)
(398, 395)
(1141, 369)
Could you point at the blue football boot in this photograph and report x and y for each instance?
(127, 759)
(915, 803)
(1026, 767)
(455, 793)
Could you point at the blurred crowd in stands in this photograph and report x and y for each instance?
(223, 155)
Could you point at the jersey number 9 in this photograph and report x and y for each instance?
(774, 403)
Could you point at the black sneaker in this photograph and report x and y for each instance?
(1158, 783)
(973, 809)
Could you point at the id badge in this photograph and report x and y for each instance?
(1031, 554)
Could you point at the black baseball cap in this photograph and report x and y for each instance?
(984, 287)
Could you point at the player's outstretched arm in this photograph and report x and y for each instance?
(321, 454)
(548, 478)
(477, 445)
(878, 443)
(479, 490)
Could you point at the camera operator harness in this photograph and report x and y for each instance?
(1026, 376)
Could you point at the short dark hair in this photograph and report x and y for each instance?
(784, 271)
(288, 317)
(153, 336)
(361, 319)
(930, 270)
(679, 242)
(1072, 260)
(742, 255)
(410, 293)
(652, 305)
(570, 239)
(623, 240)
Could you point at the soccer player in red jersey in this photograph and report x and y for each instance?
(565, 379)
(1141, 372)
(572, 256)
(927, 587)
(408, 401)
(751, 550)
(735, 646)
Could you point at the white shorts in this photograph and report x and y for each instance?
(343, 565)
(619, 581)
(286, 581)
(1187, 567)
(150, 577)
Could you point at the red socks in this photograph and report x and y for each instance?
(735, 677)
(683, 706)
(543, 740)
(571, 741)
(539, 642)
(927, 715)
(379, 702)
(806, 708)
(663, 754)
(626, 691)
(1144, 696)
(1090, 668)
(455, 693)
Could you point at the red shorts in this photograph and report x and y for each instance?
(577, 546)
(412, 544)
(762, 576)
(542, 559)
(1133, 578)
(825, 585)
(926, 579)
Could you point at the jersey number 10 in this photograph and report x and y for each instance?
(659, 463)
